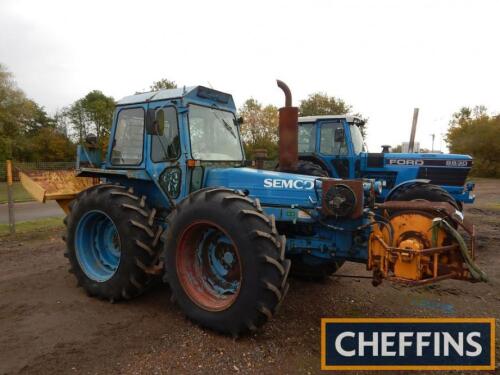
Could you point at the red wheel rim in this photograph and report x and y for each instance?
(208, 266)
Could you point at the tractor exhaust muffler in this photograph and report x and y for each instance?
(288, 132)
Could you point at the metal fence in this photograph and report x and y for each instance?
(36, 165)
(59, 165)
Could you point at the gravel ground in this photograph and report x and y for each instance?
(48, 325)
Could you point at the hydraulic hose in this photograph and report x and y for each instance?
(474, 269)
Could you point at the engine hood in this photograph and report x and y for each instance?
(427, 156)
(272, 188)
(420, 159)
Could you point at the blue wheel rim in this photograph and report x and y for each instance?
(97, 245)
(216, 255)
(208, 266)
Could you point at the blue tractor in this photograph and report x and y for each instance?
(174, 200)
(333, 146)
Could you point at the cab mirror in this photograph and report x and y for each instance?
(339, 136)
(239, 121)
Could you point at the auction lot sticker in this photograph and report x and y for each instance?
(407, 344)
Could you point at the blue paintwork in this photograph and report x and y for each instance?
(87, 157)
(253, 181)
(294, 200)
(219, 264)
(295, 206)
(359, 168)
(97, 246)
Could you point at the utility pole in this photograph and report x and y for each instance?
(10, 198)
(433, 135)
(413, 130)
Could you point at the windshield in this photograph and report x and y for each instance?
(214, 135)
(357, 139)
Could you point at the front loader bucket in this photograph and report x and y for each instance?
(61, 186)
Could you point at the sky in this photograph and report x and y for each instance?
(382, 57)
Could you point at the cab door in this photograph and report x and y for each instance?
(165, 163)
(333, 146)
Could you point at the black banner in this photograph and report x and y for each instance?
(408, 344)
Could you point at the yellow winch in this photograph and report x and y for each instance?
(417, 243)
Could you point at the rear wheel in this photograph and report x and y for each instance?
(112, 242)
(429, 192)
(225, 261)
(308, 168)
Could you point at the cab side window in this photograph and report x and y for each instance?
(328, 144)
(129, 137)
(166, 145)
(307, 138)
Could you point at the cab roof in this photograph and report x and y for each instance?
(348, 118)
(194, 92)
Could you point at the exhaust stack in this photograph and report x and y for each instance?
(288, 132)
(411, 144)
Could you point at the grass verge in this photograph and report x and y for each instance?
(42, 225)
(20, 195)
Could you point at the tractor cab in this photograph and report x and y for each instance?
(167, 138)
(334, 142)
(334, 145)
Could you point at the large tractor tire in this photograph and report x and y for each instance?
(310, 168)
(112, 242)
(307, 168)
(225, 261)
(429, 192)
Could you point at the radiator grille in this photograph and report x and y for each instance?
(444, 176)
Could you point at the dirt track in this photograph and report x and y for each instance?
(48, 325)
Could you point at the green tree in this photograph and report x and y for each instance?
(91, 114)
(39, 120)
(76, 116)
(15, 111)
(48, 138)
(319, 103)
(472, 131)
(27, 132)
(260, 128)
(163, 84)
(99, 111)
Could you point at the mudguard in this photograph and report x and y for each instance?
(418, 180)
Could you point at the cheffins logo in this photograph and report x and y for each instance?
(408, 344)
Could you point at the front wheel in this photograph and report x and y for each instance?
(225, 261)
(112, 242)
(425, 191)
